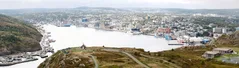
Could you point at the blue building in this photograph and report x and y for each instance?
(167, 37)
(135, 30)
(67, 25)
(84, 20)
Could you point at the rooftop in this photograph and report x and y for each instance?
(212, 52)
(222, 49)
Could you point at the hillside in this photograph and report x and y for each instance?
(232, 39)
(104, 58)
(17, 36)
(188, 57)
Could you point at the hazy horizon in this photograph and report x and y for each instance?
(184, 4)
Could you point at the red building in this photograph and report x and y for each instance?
(164, 30)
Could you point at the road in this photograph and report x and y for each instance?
(165, 61)
(136, 60)
(95, 61)
(129, 55)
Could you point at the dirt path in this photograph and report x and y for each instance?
(95, 61)
(129, 55)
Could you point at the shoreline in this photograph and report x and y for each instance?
(13, 59)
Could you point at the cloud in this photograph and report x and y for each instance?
(32, 1)
(11, 4)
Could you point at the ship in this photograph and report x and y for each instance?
(158, 35)
(67, 25)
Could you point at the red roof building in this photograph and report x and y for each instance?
(164, 30)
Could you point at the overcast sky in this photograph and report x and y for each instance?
(189, 4)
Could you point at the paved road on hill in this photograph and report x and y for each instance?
(131, 56)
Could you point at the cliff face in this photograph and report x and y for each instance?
(17, 36)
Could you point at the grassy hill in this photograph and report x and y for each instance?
(80, 58)
(17, 36)
(188, 57)
(231, 40)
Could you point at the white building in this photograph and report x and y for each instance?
(220, 30)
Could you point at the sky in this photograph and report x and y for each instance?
(187, 4)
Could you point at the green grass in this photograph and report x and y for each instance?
(192, 58)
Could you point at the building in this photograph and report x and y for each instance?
(237, 28)
(217, 52)
(220, 30)
(224, 50)
(164, 30)
(102, 25)
(84, 20)
(211, 54)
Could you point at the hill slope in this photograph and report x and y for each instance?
(232, 39)
(104, 58)
(16, 36)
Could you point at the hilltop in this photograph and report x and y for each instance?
(17, 36)
(104, 57)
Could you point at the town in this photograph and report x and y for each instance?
(178, 29)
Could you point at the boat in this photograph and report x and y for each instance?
(66, 25)
(136, 33)
(51, 40)
(175, 42)
(158, 35)
(48, 32)
(43, 56)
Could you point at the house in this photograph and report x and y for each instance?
(223, 50)
(211, 54)
(217, 52)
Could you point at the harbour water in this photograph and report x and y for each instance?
(75, 36)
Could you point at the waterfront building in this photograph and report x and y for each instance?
(220, 30)
(102, 25)
(164, 30)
